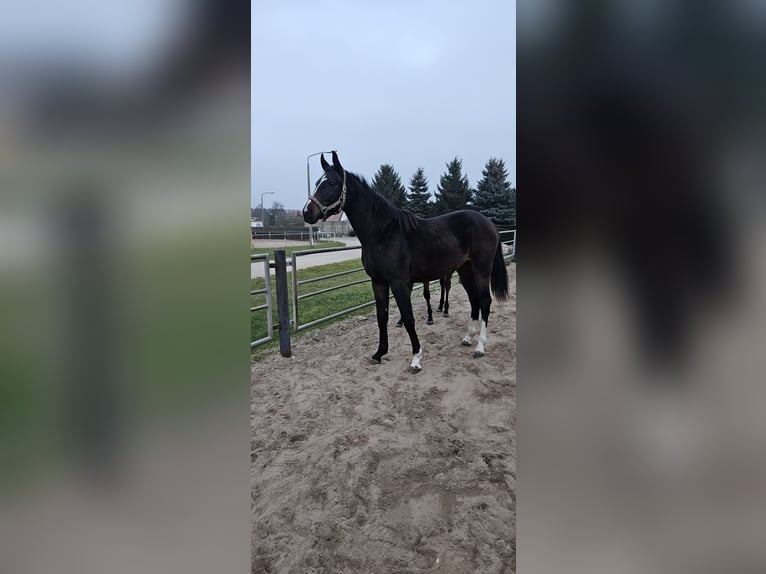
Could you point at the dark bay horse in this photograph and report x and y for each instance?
(445, 283)
(400, 249)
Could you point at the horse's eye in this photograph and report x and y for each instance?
(335, 183)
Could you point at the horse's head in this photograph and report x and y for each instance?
(330, 193)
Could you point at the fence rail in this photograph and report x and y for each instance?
(295, 235)
(328, 289)
(507, 238)
(512, 242)
(295, 255)
(323, 277)
(268, 306)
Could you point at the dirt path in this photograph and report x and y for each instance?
(367, 468)
(256, 269)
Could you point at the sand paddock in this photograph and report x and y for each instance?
(368, 468)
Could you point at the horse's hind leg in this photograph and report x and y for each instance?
(485, 300)
(446, 284)
(427, 297)
(467, 280)
(441, 295)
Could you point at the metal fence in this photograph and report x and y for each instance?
(295, 255)
(504, 238)
(268, 306)
(301, 235)
(297, 326)
(281, 265)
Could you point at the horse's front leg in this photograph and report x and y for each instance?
(381, 306)
(402, 294)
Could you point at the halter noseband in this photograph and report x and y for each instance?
(341, 201)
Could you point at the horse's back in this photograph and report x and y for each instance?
(467, 219)
(443, 243)
(473, 230)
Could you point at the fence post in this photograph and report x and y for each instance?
(283, 310)
(513, 248)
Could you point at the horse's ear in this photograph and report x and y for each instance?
(323, 161)
(336, 161)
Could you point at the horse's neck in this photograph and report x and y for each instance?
(359, 212)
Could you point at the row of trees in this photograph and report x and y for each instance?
(277, 215)
(493, 195)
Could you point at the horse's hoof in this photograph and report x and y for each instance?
(478, 354)
(415, 370)
(430, 322)
(466, 343)
(446, 313)
(374, 361)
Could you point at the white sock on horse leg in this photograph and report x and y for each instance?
(482, 339)
(415, 365)
(473, 327)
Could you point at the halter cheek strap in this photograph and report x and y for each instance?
(341, 201)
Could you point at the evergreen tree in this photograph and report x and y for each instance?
(439, 206)
(388, 184)
(495, 197)
(454, 191)
(419, 198)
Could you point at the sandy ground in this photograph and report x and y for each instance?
(368, 468)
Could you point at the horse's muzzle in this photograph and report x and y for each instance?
(311, 213)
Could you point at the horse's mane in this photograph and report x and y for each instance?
(382, 208)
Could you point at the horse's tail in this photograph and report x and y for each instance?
(499, 278)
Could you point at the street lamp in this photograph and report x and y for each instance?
(308, 186)
(264, 193)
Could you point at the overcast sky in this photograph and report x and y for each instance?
(405, 82)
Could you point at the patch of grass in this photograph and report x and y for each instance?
(317, 306)
(291, 248)
(314, 307)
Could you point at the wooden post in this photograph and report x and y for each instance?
(283, 309)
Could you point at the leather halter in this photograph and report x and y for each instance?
(341, 201)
